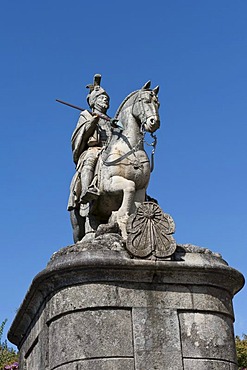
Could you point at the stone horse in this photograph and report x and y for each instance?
(123, 169)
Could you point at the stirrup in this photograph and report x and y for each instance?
(91, 194)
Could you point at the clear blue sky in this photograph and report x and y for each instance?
(195, 50)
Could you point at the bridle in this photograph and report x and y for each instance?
(152, 144)
(142, 129)
(143, 119)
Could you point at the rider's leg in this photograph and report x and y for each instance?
(89, 192)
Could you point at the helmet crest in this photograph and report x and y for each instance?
(95, 91)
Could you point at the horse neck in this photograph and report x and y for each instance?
(131, 127)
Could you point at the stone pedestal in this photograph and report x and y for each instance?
(102, 310)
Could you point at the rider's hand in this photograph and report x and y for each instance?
(95, 118)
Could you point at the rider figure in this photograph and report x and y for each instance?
(88, 138)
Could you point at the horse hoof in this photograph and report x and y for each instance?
(122, 222)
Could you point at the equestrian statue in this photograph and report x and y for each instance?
(112, 167)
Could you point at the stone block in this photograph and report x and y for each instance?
(34, 357)
(101, 364)
(90, 334)
(209, 298)
(198, 364)
(207, 335)
(156, 339)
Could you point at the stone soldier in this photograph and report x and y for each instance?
(88, 138)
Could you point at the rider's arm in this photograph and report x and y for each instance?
(85, 128)
(90, 126)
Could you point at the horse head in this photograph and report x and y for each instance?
(146, 108)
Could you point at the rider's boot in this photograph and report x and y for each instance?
(90, 192)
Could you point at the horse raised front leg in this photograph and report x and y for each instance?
(121, 216)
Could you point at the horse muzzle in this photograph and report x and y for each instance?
(152, 124)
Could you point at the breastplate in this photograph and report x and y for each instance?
(104, 131)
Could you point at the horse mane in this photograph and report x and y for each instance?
(124, 101)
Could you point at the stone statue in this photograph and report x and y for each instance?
(90, 135)
(88, 138)
(112, 167)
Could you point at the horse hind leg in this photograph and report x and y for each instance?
(78, 225)
(83, 227)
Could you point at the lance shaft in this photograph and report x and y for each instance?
(81, 109)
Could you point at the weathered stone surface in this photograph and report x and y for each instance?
(210, 298)
(207, 335)
(34, 358)
(210, 364)
(106, 242)
(156, 339)
(101, 364)
(139, 295)
(89, 334)
(105, 310)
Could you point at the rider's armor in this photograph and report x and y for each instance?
(86, 150)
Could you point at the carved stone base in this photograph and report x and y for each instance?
(96, 308)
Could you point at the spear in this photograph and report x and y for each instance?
(114, 122)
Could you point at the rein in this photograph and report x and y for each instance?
(110, 163)
(153, 144)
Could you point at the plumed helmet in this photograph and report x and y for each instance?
(95, 90)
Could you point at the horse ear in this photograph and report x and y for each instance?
(156, 90)
(147, 85)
